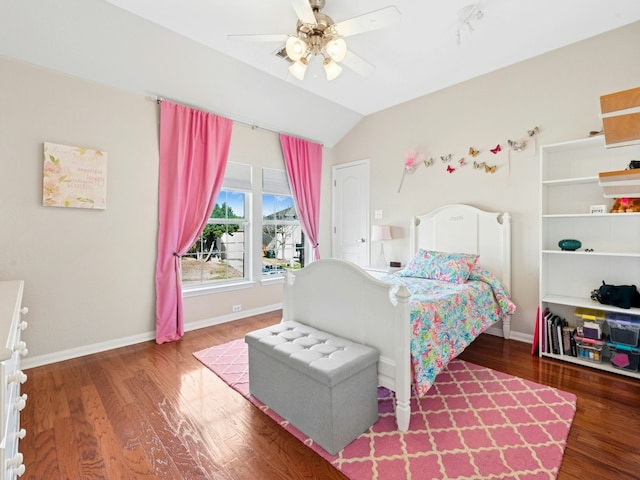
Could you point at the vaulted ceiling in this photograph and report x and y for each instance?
(180, 50)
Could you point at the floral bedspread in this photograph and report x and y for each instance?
(447, 317)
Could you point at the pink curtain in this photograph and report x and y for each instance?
(194, 147)
(303, 160)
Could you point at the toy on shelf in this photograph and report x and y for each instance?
(626, 205)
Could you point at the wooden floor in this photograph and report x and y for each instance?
(153, 411)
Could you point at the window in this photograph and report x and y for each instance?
(219, 255)
(282, 237)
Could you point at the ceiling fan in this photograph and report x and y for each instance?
(318, 35)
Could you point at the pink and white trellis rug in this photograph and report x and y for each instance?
(475, 423)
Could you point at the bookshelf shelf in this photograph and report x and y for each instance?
(620, 183)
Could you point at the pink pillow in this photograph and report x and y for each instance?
(443, 266)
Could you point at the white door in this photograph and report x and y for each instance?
(351, 212)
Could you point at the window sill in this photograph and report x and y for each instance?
(272, 280)
(208, 289)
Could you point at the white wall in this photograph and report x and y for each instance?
(558, 91)
(89, 274)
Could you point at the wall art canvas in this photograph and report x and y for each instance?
(74, 177)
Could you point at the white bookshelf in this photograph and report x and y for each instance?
(569, 187)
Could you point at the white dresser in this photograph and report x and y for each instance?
(12, 349)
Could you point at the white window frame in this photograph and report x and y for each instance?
(238, 178)
(276, 182)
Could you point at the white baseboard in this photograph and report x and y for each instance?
(49, 358)
(32, 362)
(521, 337)
(517, 336)
(495, 331)
(209, 322)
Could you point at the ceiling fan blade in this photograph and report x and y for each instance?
(267, 37)
(383, 18)
(304, 11)
(357, 64)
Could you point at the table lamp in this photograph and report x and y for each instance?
(381, 233)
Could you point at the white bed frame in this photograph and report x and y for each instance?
(341, 298)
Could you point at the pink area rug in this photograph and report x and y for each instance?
(475, 423)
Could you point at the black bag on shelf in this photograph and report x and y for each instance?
(623, 296)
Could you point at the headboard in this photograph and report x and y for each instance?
(466, 229)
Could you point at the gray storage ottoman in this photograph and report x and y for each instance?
(324, 385)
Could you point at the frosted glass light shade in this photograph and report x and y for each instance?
(296, 48)
(331, 68)
(299, 68)
(336, 49)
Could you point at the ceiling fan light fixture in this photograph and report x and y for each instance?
(331, 69)
(296, 48)
(317, 35)
(337, 49)
(299, 68)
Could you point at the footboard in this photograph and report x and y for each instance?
(340, 298)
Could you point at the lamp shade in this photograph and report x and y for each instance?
(296, 48)
(299, 68)
(380, 233)
(337, 49)
(331, 69)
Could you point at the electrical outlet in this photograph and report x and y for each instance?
(237, 308)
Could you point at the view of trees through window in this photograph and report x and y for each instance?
(282, 237)
(219, 252)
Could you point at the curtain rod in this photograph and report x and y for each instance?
(252, 126)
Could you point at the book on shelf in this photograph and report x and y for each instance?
(568, 342)
(559, 324)
(556, 324)
(548, 323)
(558, 335)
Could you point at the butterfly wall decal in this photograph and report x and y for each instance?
(478, 164)
(490, 169)
(496, 150)
(533, 131)
(428, 163)
(462, 162)
(450, 169)
(446, 158)
(517, 146)
(473, 152)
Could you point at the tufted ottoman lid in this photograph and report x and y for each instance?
(325, 357)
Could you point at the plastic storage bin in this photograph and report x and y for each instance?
(590, 314)
(624, 357)
(590, 322)
(623, 328)
(588, 349)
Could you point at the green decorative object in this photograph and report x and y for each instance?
(569, 244)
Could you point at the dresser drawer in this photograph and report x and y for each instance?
(12, 378)
(11, 461)
(12, 349)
